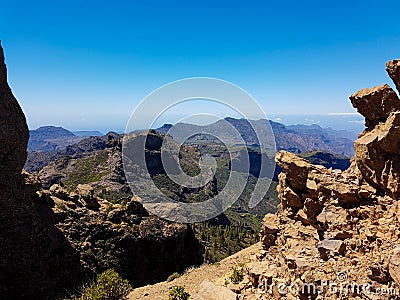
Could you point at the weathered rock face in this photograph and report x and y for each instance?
(378, 148)
(393, 69)
(375, 104)
(14, 133)
(124, 237)
(341, 227)
(36, 261)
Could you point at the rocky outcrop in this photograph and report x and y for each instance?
(14, 132)
(338, 229)
(375, 104)
(36, 261)
(122, 236)
(393, 69)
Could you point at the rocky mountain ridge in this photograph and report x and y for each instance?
(51, 138)
(294, 138)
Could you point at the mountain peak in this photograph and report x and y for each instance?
(3, 69)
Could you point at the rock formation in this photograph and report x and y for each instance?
(338, 229)
(36, 261)
(122, 236)
(14, 132)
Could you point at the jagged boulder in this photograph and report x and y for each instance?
(378, 148)
(393, 69)
(375, 104)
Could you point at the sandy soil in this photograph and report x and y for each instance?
(194, 277)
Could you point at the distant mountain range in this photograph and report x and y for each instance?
(51, 138)
(294, 138)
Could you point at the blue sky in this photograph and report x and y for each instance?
(87, 64)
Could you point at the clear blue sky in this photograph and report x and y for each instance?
(87, 64)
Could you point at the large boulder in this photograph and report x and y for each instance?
(393, 69)
(375, 104)
(211, 291)
(14, 133)
(36, 261)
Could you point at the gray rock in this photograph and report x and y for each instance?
(330, 248)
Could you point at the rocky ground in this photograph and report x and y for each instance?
(214, 276)
(121, 236)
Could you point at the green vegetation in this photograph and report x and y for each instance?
(108, 286)
(173, 276)
(178, 293)
(221, 241)
(237, 275)
(115, 196)
(87, 171)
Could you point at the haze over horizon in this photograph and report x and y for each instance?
(86, 66)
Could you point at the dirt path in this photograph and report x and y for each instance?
(194, 277)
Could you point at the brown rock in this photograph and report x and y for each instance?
(270, 224)
(375, 104)
(254, 271)
(211, 291)
(288, 196)
(295, 168)
(86, 196)
(393, 69)
(379, 273)
(14, 133)
(330, 248)
(394, 265)
(269, 230)
(377, 155)
(58, 191)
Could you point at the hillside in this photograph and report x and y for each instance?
(327, 160)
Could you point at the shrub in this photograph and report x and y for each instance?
(173, 276)
(178, 293)
(109, 285)
(237, 275)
